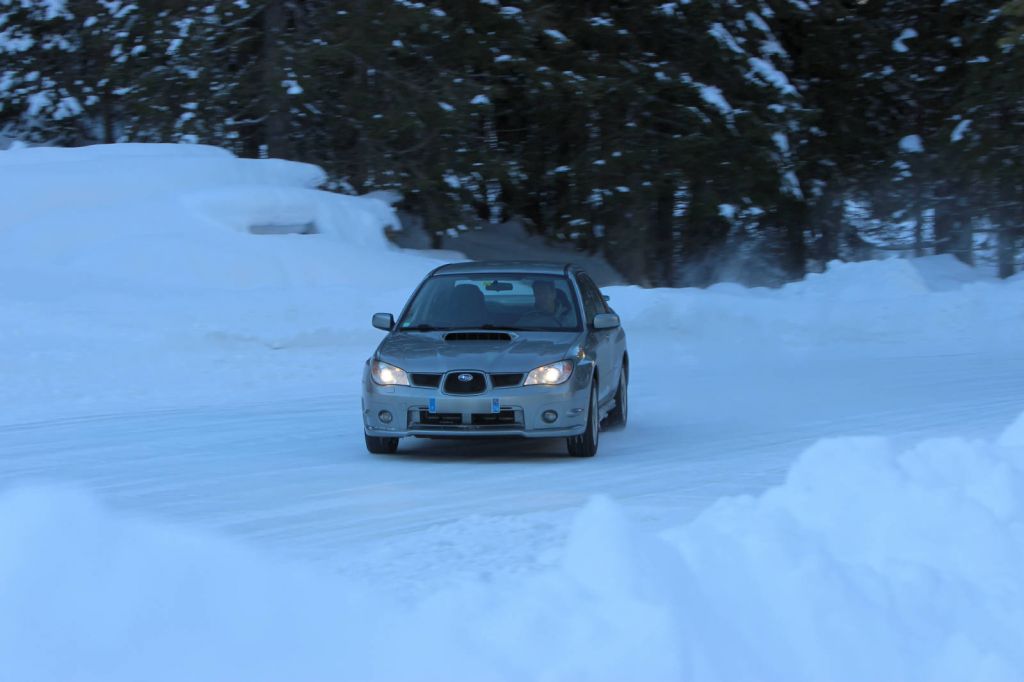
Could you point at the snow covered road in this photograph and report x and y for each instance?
(294, 476)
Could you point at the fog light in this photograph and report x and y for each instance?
(549, 416)
(384, 416)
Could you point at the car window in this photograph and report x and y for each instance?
(499, 301)
(593, 302)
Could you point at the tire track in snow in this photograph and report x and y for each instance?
(293, 474)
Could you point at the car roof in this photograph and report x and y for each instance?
(499, 266)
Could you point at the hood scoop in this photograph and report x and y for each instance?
(477, 336)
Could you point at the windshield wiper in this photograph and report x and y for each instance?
(503, 328)
(524, 329)
(425, 328)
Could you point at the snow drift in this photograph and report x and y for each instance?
(867, 563)
(178, 217)
(114, 255)
(874, 306)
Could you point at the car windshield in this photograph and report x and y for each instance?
(480, 301)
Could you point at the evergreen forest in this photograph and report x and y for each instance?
(687, 142)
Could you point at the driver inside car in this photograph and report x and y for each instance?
(549, 304)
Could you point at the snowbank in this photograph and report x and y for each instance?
(47, 180)
(168, 218)
(151, 275)
(866, 564)
(936, 305)
(869, 564)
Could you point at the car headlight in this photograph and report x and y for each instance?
(388, 375)
(550, 375)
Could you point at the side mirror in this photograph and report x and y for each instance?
(606, 297)
(606, 321)
(385, 321)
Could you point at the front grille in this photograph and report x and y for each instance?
(440, 418)
(506, 416)
(505, 380)
(452, 383)
(508, 419)
(426, 380)
(477, 336)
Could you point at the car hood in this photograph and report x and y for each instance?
(430, 352)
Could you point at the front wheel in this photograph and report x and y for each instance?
(381, 446)
(585, 444)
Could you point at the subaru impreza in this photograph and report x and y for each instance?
(497, 350)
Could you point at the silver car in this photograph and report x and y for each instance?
(498, 349)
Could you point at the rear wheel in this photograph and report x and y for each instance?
(381, 446)
(585, 444)
(620, 413)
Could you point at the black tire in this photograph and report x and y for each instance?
(381, 446)
(620, 413)
(585, 444)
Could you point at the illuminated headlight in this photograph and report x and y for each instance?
(388, 375)
(550, 375)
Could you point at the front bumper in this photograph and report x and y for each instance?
(518, 414)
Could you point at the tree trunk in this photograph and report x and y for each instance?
(1006, 251)
(664, 261)
(626, 245)
(919, 232)
(943, 225)
(828, 221)
(792, 215)
(275, 99)
(107, 109)
(963, 232)
(703, 234)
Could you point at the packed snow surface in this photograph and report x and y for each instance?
(822, 481)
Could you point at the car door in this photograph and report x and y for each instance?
(603, 341)
(617, 345)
